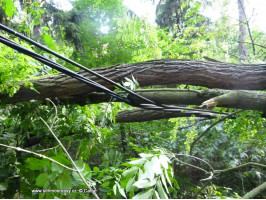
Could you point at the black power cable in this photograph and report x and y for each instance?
(62, 69)
(150, 106)
(73, 62)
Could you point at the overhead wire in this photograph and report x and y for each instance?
(60, 68)
(149, 104)
(72, 62)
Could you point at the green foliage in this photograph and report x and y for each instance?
(9, 7)
(132, 160)
(145, 177)
(14, 68)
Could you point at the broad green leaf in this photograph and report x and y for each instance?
(149, 173)
(56, 168)
(167, 177)
(130, 186)
(164, 182)
(176, 184)
(164, 161)
(86, 170)
(49, 41)
(145, 183)
(36, 164)
(62, 160)
(42, 179)
(106, 184)
(9, 7)
(144, 155)
(114, 188)
(52, 176)
(141, 175)
(130, 172)
(64, 181)
(77, 178)
(160, 189)
(137, 162)
(144, 195)
(156, 165)
(121, 190)
(155, 195)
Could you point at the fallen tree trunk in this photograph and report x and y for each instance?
(157, 72)
(249, 100)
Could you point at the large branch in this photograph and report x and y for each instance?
(157, 72)
(140, 115)
(253, 193)
(249, 100)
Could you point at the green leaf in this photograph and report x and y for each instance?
(144, 155)
(176, 184)
(52, 176)
(9, 7)
(64, 182)
(144, 195)
(167, 177)
(141, 175)
(160, 189)
(149, 173)
(137, 162)
(164, 161)
(42, 179)
(56, 168)
(49, 41)
(62, 160)
(145, 183)
(114, 188)
(155, 195)
(36, 164)
(121, 190)
(156, 165)
(164, 183)
(130, 172)
(77, 178)
(130, 186)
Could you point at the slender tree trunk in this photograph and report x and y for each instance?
(243, 52)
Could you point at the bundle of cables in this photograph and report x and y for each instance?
(149, 104)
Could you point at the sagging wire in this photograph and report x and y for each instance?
(149, 104)
(60, 68)
(73, 62)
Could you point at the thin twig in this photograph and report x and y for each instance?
(69, 157)
(197, 159)
(39, 155)
(48, 149)
(249, 32)
(190, 165)
(217, 122)
(255, 44)
(240, 166)
(195, 196)
(56, 115)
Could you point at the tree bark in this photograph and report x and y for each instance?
(243, 52)
(253, 193)
(232, 99)
(156, 72)
(140, 115)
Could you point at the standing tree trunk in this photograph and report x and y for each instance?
(242, 32)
